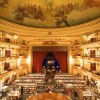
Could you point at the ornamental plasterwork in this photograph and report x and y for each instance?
(81, 26)
(76, 47)
(23, 44)
(49, 43)
(53, 39)
(52, 34)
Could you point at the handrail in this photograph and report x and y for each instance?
(86, 42)
(92, 55)
(14, 55)
(10, 41)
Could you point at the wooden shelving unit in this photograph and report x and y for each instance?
(30, 82)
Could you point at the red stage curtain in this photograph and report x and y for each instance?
(38, 57)
(61, 57)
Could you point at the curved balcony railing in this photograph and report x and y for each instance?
(7, 40)
(94, 72)
(92, 56)
(14, 55)
(91, 41)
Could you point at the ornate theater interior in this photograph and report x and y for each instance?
(50, 50)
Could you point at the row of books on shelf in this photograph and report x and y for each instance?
(35, 82)
(67, 78)
(70, 80)
(68, 75)
(31, 88)
(27, 78)
(18, 81)
(31, 77)
(78, 85)
(36, 74)
(74, 85)
(29, 91)
(75, 81)
(26, 84)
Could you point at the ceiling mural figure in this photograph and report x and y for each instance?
(49, 4)
(4, 3)
(50, 13)
(91, 3)
(31, 11)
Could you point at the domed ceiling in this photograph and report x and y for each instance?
(49, 13)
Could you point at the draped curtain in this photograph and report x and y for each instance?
(38, 57)
(61, 56)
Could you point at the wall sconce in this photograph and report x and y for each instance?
(71, 60)
(81, 62)
(18, 62)
(28, 60)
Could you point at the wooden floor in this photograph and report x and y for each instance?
(48, 96)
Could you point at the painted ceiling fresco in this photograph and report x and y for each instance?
(49, 13)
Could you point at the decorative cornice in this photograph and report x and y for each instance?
(81, 26)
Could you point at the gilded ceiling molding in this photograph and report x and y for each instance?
(76, 27)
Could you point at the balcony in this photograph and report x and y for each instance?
(86, 56)
(91, 44)
(92, 40)
(94, 73)
(6, 42)
(15, 56)
(91, 57)
(77, 56)
(6, 73)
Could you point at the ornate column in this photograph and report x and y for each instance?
(30, 60)
(70, 61)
